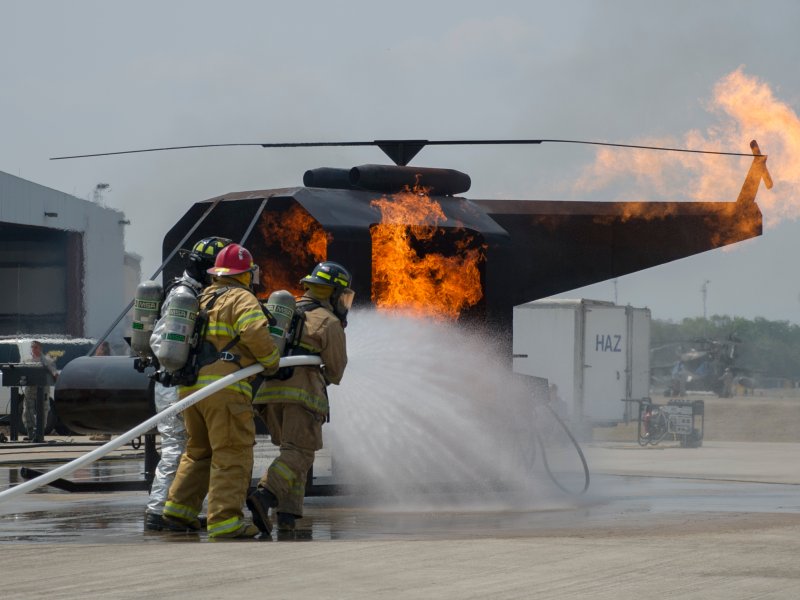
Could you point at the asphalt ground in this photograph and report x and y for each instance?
(720, 521)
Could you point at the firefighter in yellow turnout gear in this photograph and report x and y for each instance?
(294, 409)
(218, 460)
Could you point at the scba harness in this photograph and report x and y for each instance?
(201, 351)
(294, 344)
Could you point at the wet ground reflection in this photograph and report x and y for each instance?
(48, 514)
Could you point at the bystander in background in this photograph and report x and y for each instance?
(30, 413)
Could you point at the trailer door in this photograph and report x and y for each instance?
(605, 363)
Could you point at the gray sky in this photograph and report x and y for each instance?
(94, 76)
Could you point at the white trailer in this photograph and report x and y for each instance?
(597, 353)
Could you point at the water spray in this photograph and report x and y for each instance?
(430, 417)
(128, 436)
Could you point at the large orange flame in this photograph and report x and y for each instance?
(407, 278)
(746, 109)
(294, 243)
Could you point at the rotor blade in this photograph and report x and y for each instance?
(421, 143)
(148, 150)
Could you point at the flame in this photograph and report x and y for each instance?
(745, 108)
(422, 283)
(294, 243)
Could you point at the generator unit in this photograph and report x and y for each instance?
(681, 420)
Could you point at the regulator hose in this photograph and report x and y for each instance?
(142, 428)
(575, 443)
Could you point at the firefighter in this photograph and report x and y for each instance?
(172, 430)
(218, 460)
(294, 409)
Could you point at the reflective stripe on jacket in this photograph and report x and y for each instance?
(323, 335)
(235, 312)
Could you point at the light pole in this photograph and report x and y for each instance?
(97, 193)
(704, 290)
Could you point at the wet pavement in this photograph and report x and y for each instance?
(632, 488)
(117, 517)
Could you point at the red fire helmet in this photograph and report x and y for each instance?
(232, 260)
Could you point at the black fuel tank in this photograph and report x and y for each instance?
(103, 394)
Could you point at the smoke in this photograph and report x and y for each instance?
(743, 108)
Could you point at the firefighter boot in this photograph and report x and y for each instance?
(286, 521)
(286, 527)
(172, 524)
(245, 530)
(259, 503)
(153, 522)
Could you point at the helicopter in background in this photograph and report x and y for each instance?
(700, 365)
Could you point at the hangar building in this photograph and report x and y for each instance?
(63, 265)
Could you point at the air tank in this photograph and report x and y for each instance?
(282, 305)
(179, 321)
(146, 306)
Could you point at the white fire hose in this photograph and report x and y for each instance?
(97, 453)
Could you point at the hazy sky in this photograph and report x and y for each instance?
(95, 76)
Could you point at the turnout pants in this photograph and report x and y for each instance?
(298, 432)
(218, 461)
(173, 441)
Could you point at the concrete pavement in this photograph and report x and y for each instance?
(721, 521)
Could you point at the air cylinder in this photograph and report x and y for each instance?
(146, 307)
(179, 322)
(282, 305)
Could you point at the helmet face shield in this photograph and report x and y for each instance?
(255, 281)
(345, 301)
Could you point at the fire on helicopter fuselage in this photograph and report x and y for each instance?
(524, 249)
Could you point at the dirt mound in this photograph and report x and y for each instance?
(753, 419)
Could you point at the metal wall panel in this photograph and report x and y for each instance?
(87, 291)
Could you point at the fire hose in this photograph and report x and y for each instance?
(540, 442)
(142, 428)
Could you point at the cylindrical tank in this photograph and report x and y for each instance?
(282, 305)
(389, 179)
(327, 177)
(385, 178)
(179, 322)
(103, 394)
(146, 306)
